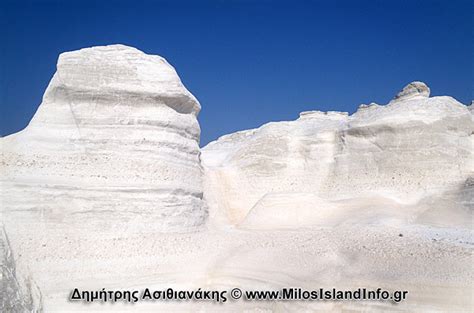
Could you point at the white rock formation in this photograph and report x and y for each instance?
(374, 199)
(114, 144)
(412, 148)
(103, 186)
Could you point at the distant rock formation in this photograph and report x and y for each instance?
(114, 144)
(412, 148)
(413, 89)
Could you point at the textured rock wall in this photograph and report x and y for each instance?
(17, 295)
(414, 147)
(114, 144)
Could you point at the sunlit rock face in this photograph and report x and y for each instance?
(105, 187)
(412, 148)
(114, 144)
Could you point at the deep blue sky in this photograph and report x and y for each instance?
(248, 62)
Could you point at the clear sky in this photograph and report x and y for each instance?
(248, 62)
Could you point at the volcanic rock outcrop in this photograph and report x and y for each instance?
(114, 144)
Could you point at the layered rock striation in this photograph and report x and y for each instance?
(114, 144)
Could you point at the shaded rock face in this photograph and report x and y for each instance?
(113, 145)
(410, 149)
(17, 295)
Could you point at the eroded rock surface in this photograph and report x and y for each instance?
(104, 189)
(412, 148)
(114, 144)
(18, 294)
